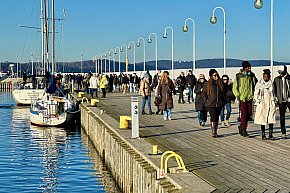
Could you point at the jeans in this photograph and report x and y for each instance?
(282, 110)
(202, 116)
(167, 113)
(228, 107)
(92, 91)
(148, 103)
(190, 93)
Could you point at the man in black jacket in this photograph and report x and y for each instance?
(282, 95)
(191, 81)
(181, 83)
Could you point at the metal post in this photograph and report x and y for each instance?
(135, 117)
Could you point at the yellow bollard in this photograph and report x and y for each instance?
(80, 94)
(124, 122)
(155, 149)
(85, 98)
(94, 102)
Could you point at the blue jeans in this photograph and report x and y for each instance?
(202, 116)
(148, 103)
(92, 91)
(227, 106)
(167, 113)
(190, 93)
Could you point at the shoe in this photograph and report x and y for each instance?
(161, 112)
(150, 113)
(183, 102)
(263, 135)
(169, 118)
(284, 136)
(203, 124)
(214, 129)
(271, 134)
(157, 112)
(143, 113)
(223, 124)
(245, 133)
(200, 123)
(164, 118)
(227, 124)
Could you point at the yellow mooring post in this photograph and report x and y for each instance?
(80, 94)
(124, 122)
(94, 102)
(155, 149)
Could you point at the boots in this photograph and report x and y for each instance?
(214, 129)
(263, 132)
(271, 132)
(143, 113)
(245, 133)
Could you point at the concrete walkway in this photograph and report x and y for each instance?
(231, 163)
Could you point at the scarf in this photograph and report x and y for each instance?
(263, 87)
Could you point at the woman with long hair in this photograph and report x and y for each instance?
(200, 100)
(165, 90)
(214, 92)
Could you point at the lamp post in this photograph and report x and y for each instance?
(156, 51)
(258, 4)
(185, 29)
(144, 52)
(32, 64)
(95, 59)
(121, 50)
(213, 20)
(129, 48)
(108, 55)
(172, 48)
(112, 51)
(119, 59)
(102, 62)
(81, 62)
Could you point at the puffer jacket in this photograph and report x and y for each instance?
(216, 97)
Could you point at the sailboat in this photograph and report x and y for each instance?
(53, 110)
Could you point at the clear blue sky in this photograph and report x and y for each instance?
(95, 26)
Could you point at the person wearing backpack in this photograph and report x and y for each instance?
(243, 89)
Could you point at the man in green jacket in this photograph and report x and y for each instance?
(243, 89)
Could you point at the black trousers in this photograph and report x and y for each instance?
(180, 90)
(282, 109)
(214, 113)
(104, 92)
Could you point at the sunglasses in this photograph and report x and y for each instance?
(215, 75)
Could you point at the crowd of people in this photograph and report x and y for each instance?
(214, 96)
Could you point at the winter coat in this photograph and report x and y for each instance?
(191, 80)
(103, 82)
(200, 97)
(278, 88)
(229, 95)
(265, 101)
(145, 88)
(181, 81)
(165, 91)
(93, 82)
(216, 97)
(244, 86)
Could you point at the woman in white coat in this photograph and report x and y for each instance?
(264, 99)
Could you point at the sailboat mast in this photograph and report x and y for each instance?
(52, 40)
(42, 36)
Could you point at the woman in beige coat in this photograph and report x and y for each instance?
(265, 101)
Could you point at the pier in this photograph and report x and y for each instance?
(230, 163)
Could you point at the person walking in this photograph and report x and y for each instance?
(181, 83)
(229, 99)
(94, 85)
(282, 95)
(200, 100)
(243, 89)
(145, 90)
(165, 89)
(125, 82)
(265, 102)
(191, 82)
(214, 92)
(103, 85)
(157, 99)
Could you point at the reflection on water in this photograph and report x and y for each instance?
(37, 159)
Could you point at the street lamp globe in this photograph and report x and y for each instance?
(258, 4)
(185, 28)
(129, 47)
(213, 19)
(138, 44)
(165, 35)
(149, 40)
(121, 50)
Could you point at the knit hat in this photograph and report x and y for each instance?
(211, 72)
(267, 71)
(246, 64)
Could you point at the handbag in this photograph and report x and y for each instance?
(157, 100)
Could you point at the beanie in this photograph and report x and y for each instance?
(211, 72)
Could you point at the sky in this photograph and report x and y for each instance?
(96, 26)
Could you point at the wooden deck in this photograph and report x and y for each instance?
(231, 163)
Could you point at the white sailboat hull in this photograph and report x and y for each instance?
(26, 96)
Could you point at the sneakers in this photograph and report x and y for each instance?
(169, 118)
(223, 124)
(227, 124)
(203, 124)
(164, 118)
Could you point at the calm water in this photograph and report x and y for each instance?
(35, 159)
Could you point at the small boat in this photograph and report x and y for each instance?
(53, 111)
(25, 96)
